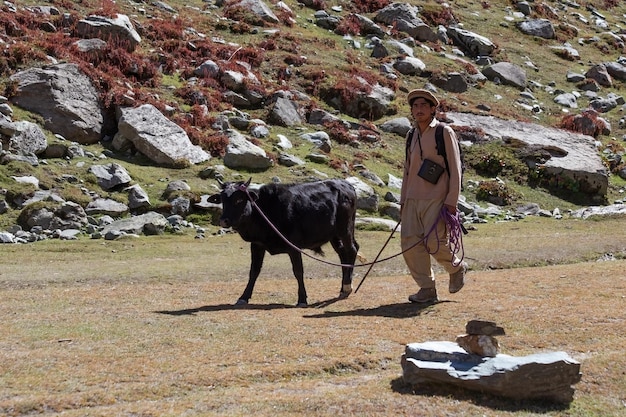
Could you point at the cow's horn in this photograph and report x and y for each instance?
(220, 182)
(248, 182)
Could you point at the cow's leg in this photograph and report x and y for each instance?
(347, 249)
(257, 254)
(298, 272)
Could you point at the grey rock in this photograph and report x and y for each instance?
(600, 211)
(242, 154)
(6, 237)
(119, 29)
(110, 176)
(508, 73)
(150, 223)
(399, 125)
(285, 112)
(256, 7)
(483, 327)
(66, 99)
(289, 160)
(367, 199)
(320, 139)
(24, 138)
(475, 45)
(175, 187)
(387, 223)
(573, 155)
(137, 198)
(568, 100)
(537, 27)
(155, 136)
(404, 18)
(546, 376)
(106, 206)
(409, 66)
(600, 74)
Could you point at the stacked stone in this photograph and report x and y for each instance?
(480, 338)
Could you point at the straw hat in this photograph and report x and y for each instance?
(425, 94)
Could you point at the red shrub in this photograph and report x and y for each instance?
(369, 6)
(164, 30)
(349, 25)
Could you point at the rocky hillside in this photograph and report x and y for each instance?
(118, 108)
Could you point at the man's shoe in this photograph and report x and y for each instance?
(457, 280)
(424, 295)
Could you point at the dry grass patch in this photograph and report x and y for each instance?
(147, 327)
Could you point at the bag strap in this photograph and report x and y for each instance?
(441, 145)
(409, 139)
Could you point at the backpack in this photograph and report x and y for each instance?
(441, 148)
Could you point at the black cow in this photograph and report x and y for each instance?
(308, 215)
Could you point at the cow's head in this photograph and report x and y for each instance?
(235, 198)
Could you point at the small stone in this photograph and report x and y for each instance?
(487, 328)
(479, 344)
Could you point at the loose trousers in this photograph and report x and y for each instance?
(418, 218)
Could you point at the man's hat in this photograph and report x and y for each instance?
(425, 94)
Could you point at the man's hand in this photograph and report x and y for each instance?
(450, 208)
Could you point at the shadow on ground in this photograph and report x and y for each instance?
(398, 310)
(479, 399)
(223, 307)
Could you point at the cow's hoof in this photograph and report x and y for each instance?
(241, 302)
(346, 290)
(302, 305)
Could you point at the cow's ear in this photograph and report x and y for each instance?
(215, 199)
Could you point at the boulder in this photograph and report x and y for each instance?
(65, 98)
(24, 138)
(110, 176)
(243, 154)
(544, 376)
(573, 155)
(475, 45)
(151, 223)
(157, 137)
(506, 73)
(118, 29)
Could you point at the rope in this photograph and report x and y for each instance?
(456, 230)
(453, 224)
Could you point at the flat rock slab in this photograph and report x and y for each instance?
(546, 376)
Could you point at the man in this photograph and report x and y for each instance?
(426, 189)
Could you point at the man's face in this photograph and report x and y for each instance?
(422, 110)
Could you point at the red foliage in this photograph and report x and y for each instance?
(17, 55)
(243, 15)
(441, 15)
(349, 25)
(296, 61)
(213, 143)
(108, 9)
(338, 132)
(369, 6)
(250, 55)
(164, 30)
(586, 122)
